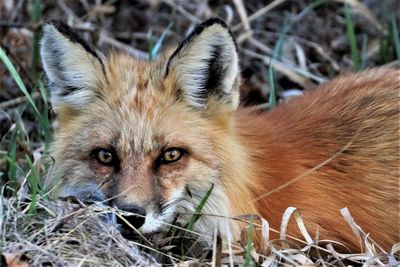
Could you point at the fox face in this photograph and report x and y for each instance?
(149, 137)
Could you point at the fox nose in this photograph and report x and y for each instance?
(136, 219)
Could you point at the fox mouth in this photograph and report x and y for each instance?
(132, 226)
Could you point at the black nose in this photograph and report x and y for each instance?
(136, 219)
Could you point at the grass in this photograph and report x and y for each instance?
(42, 118)
(33, 181)
(197, 213)
(43, 121)
(276, 54)
(36, 18)
(355, 54)
(395, 36)
(154, 50)
(248, 260)
(12, 160)
(44, 124)
(72, 228)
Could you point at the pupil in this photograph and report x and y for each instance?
(171, 155)
(106, 156)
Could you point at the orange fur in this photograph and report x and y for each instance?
(360, 111)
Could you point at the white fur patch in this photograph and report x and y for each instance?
(216, 212)
(156, 222)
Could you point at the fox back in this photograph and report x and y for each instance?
(155, 137)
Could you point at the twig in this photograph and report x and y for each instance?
(318, 48)
(259, 13)
(9, 24)
(64, 7)
(17, 100)
(17, 10)
(105, 38)
(364, 11)
(295, 74)
(245, 21)
(260, 46)
(181, 10)
(18, 63)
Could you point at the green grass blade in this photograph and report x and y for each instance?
(278, 47)
(12, 159)
(355, 54)
(33, 181)
(289, 25)
(272, 91)
(36, 17)
(199, 208)
(45, 115)
(150, 42)
(396, 38)
(384, 44)
(364, 51)
(6, 61)
(43, 94)
(248, 261)
(157, 46)
(19, 133)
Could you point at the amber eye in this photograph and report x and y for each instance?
(104, 156)
(172, 154)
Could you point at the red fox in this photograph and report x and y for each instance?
(152, 137)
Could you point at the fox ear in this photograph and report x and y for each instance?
(73, 68)
(205, 66)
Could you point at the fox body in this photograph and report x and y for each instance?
(152, 137)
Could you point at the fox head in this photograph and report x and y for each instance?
(150, 137)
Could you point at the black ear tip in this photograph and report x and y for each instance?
(209, 23)
(213, 21)
(67, 32)
(60, 26)
(52, 23)
(55, 22)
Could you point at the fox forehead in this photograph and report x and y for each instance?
(136, 110)
(135, 83)
(133, 103)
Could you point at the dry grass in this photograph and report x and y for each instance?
(70, 233)
(65, 234)
(288, 45)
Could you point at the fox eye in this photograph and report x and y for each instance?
(104, 156)
(171, 155)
